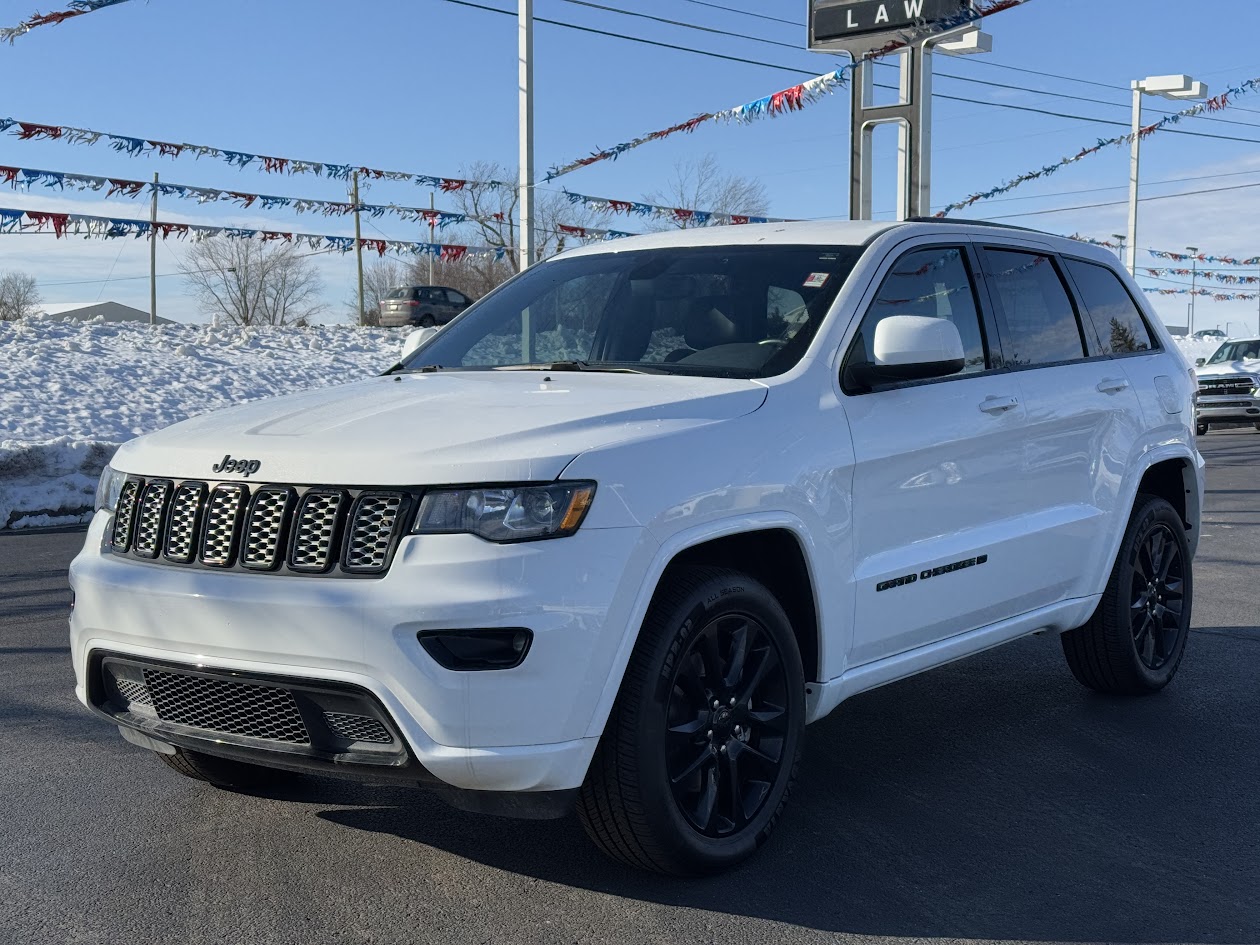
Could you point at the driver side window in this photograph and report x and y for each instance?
(934, 283)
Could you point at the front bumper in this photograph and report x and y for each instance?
(520, 729)
(1227, 409)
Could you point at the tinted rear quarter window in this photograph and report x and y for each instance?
(1040, 320)
(1116, 317)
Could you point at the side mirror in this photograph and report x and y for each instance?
(415, 340)
(1199, 362)
(915, 348)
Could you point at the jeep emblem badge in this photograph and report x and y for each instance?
(246, 467)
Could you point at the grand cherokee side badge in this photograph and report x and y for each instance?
(246, 467)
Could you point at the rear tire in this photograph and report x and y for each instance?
(1136, 638)
(702, 747)
(1201, 429)
(225, 773)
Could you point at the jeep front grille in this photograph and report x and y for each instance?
(268, 528)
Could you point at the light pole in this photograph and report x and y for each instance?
(1179, 88)
(1194, 279)
(1121, 239)
(525, 76)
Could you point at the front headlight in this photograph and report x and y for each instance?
(506, 513)
(108, 489)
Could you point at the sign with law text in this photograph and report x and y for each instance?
(854, 24)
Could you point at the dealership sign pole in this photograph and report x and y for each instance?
(860, 27)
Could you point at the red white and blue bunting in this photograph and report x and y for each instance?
(1215, 104)
(76, 8)
(88, 227)
(1209, 294)
(135, 147)
(793, 99)
(672, 214)
(1227, 278)
(1205, 258)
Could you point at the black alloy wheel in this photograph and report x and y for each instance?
(1135, 640)
(727, 719)
(1158, 597)
(703, 744)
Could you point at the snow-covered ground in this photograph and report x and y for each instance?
(71, 393)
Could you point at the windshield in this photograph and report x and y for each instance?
(1236, 351)
(729, 311)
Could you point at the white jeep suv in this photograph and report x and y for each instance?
(614, 536)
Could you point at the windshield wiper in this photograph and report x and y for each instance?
(602, 367)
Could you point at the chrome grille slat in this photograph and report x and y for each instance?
(151, 512)
(372, 524)
(220, 532)
(270, 527)
(314, 530)
(125, 515)
(265, 528)
(183, 521)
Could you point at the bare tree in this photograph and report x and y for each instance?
(252, 283)
(497, 225)
(19, 296)
(702, 185)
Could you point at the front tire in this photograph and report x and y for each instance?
(225, 773)
(1201, 429)
(702, 747)
(427, 321)
(1135, 641)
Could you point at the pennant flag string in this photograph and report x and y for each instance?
(76, 8)
(1228, 278)
(1251, 262)
(24, 177)
(797, 97)
(135, 147)
(672, 214)
(1208, 294)
(1215, 104)
(76, 224)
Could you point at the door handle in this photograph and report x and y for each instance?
(999, 405)
(1113, 385)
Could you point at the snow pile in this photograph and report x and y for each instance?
(1198, 349)
(72, 392)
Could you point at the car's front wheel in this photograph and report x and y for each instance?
(427, 321)
(703, 744)
(1135, 641)
(1201, 429)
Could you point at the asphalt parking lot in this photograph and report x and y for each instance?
(989, 800)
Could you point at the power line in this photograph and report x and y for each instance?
(801, 72)
(1121, 203)
(760, 16)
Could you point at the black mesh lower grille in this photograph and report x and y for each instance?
(359, 728)
(220, 705)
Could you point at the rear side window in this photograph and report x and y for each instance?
(1120, 326)
(934, 283)
(1041, 325)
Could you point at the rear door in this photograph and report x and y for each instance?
(1083, 418)
(939, 508)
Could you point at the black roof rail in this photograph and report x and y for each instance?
(992, 223)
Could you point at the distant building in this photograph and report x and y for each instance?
(106, 311)
(1178, 331)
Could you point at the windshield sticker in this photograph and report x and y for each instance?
(817, 280)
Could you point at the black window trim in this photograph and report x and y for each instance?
(990, 336)
(1157, 346)
(1069, 288)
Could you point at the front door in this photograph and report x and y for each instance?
(938, 501)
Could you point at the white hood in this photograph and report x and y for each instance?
(448, 427)
(1229, 368)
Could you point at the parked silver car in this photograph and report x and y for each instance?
(422, 305)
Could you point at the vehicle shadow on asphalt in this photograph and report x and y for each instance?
(992, 799)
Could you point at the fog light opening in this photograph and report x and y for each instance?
(477, 650)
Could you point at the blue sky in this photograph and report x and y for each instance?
(428, 86)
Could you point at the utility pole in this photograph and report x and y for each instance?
(1135, 163)
(153, 255)
(1194, 285)
(430, 239)
(525, 36)
(358, 243)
